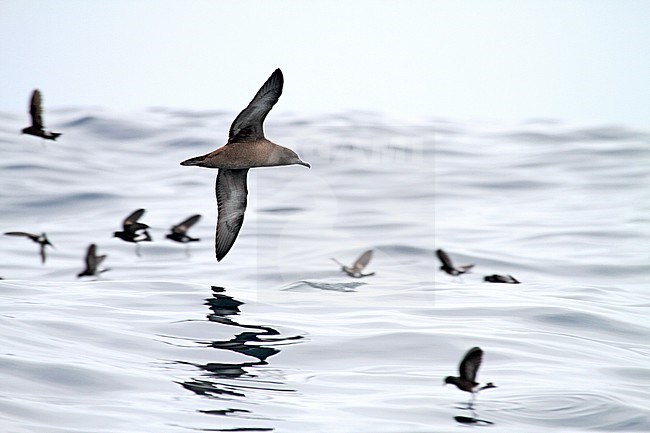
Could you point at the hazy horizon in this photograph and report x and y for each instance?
(577, 61)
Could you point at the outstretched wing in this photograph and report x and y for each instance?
(131, 223)
(23, 234)
(362, 261)
(35, 109)
(248, 125)
(91, 258)
(100, 259)
(183, 227)
(444, 258)
(470, 364)
(232, 194)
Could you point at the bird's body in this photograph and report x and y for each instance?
(246, 148)
(39, 239)
(179, 231)
(358, 266)
(93, 261)
(36, 114)
(251, 154)
(468, 369)
(506, 279)
(448, 266)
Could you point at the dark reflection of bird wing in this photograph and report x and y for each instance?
(362, 261)
(248, 125)
(231, 194)
(470, 364)
(444, 258)
(35, 110)
(131, 219)
(183, 227)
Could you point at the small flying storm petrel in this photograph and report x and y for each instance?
(358, 266)
(39, 239)
(134, 231)
(93, 261)
(36, 112)
(179, 231)
(246, 148)
(448, 266)
(506, 279)
(468, 370)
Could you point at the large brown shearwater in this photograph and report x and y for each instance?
(246, 148)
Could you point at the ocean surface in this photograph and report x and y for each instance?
(276, 337)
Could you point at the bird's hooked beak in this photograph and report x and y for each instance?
(306, 164)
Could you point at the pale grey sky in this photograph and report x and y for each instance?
(579, 60)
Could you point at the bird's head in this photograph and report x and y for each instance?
(450, 379)
(289, 157)
(46, 241)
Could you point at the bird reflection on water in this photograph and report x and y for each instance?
(233, 381)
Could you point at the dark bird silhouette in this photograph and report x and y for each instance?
(468, 370)
(36, 112)
(246, 148)
(39, 239)
(179, 231)
(358, 266)
(449, 267)
(506, 279)
(93, 261)
(134, 231)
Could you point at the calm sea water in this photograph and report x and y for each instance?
(275, 337)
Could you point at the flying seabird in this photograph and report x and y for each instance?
(449, 267)
(39, 239)
(246, 148)
(468, 369)
(179, 231)
(134, 231)
(495, 278)
(93, 261)
(36, 113)
(355, 270)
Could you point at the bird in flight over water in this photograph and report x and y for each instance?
(36, 112)
(358, 266)
(468, 370)
(134, 231)
(246, 148)
(41, 239)
(448, 265)
(93, 261)
(179, 231)
(496, 278)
